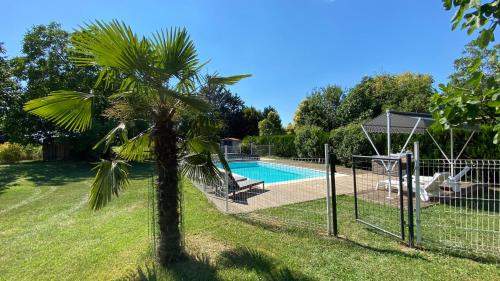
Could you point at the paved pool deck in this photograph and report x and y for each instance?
(280, 194)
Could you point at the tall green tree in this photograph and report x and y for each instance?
(227, 109)
(157, 78)
(9, 88)
(268, 109)
(476, 99)
(373, 95)
(320, 108)
(251, 119)
(271, 125)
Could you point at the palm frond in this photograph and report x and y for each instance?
(136, 149)
(200, 167)
(202, 138)
(111, 136)
(111, 178)
(113, 46)
(68, 109)
(228, 80)
(175, 54)
(195, 102)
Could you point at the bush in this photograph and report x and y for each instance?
(10, 153)
(283, 144)
(32, 152)
(309, 141)
(349, 140)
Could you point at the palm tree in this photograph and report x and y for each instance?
(154, 80)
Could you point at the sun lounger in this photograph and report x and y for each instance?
(239, 178)
(235, 185)
(429, 186)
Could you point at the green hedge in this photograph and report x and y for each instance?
(283, 144)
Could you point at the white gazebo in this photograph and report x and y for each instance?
(394, 122)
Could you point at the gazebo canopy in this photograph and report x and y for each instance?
(395, 122)
(400, 123)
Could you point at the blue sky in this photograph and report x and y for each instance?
(289, 46)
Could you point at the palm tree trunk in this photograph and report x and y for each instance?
(165, 148)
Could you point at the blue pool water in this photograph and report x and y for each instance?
(271, 172)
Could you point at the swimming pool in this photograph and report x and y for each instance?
(272, 172)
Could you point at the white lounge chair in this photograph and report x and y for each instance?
(429, 186)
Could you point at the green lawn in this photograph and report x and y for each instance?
(48, 233)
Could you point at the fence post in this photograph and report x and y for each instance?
(328, 209)
(269, 149)
(410, 200)
(355, 189)
(334, 193)
(226, 181)
(251, 149)
(416, 152)
(401, 198)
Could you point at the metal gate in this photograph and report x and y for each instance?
(382, 195)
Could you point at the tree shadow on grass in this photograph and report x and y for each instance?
(310, 233)
(55, 173)
(45, 173)
(384, 251)
(253, 260)
(279, 227)
(202, 268)
(190, 268)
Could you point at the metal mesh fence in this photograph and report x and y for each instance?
(380, 199)
(232, 149)
(462, 211)
(280, 192)
(262, 149)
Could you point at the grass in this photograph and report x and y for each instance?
(48, 233)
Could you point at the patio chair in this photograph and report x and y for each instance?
(235, 185)
(429, 186)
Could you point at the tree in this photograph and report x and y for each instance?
(373, 95)
(271, 125)
(157, 78)
(476, 99)
(471, 53)
(9, 88)
(251, 119)
(268, 109)
(320, 108)
(227, 109)
(290, 129)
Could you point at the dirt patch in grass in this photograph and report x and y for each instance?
(202, 245)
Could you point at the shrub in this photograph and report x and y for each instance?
(32, 152)
(349, 140)
(309, 141)
(10, 153)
